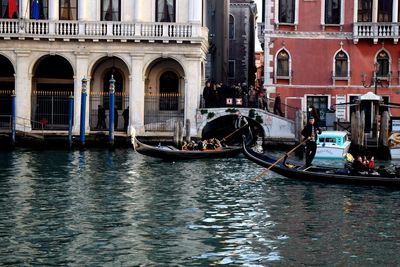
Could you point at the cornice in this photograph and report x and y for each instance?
(309, 35)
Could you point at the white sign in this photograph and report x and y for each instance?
(341, 109)
(395, 125)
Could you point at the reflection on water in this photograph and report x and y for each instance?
(118, 208)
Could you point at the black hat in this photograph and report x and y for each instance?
(311, 118)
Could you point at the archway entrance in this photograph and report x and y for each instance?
(7, 85)
(100, 97)
(52, 84)
(164, 96)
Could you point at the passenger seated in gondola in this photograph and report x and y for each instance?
(358, 166)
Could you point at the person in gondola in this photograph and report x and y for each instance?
(310, 132)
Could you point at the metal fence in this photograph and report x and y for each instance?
(102, 99)
(5, 109)
(50, 108)
(162, 111)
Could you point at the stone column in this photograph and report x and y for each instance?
(24, 9)
(81, 71)
(192, 92)
(137, 9)
(195, 11)
(136, 95)
(23, 90)
(375, 11)
(53, 10)
(395, 14)
(82, 10)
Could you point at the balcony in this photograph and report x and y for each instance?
(376, 31)
(101, 30)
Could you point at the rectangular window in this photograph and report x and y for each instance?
(68, 10)
(332, 11)
(364, 11)
(40, 9)
(165, 10)
(286, 11)
(110, 10)
(320, 103)
(8, 9)
(231, 69)
(385, 11)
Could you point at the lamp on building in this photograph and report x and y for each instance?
(112, 85)
(375, 81)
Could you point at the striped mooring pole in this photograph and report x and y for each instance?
(82, 136)
(111, 112)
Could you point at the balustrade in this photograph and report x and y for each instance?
(102, 29)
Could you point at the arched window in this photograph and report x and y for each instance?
(39, 9)
(68, 10)
(169, 91)
(282, 69)
(165, 10)
(111, 10)
(384, 67)
(364, 11)
(8, 9)
(231, 27)
(286, 11)
(341, 64)
(332, 11)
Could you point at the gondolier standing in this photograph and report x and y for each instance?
(310, 132)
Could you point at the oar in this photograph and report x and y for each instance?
(229, 135)
(280, 159)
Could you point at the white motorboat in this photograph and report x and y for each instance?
(332, 145)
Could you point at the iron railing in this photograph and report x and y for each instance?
(162, 111)
(103, 99)
(51, 109)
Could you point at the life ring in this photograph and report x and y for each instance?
(394, 139)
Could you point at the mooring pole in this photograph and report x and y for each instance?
(111, 112)
(13, 119)
(70, 118)
(83, 111)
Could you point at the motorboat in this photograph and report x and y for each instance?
(332, 145)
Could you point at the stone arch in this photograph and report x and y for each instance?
(100, 74)
(163, 106)
(7, 86)
(52, 84)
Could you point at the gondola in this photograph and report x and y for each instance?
(170, 152)
(320, 173)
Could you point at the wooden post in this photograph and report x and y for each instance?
(384, 129)
(299, 125)
(187, 132)
(361, 123)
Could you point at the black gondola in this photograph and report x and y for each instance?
(320, 173)
(172, 153)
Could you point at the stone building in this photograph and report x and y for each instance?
(155, 50)
(323, 53)
(242, 24)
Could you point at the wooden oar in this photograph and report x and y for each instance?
(280, 159)
(229, 135)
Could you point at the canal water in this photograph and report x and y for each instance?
(119, 208)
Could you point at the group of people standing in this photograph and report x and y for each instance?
(216, 95)
(101, 118)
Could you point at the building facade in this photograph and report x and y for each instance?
(218, 56)
(242, 24)
(334, 54)
(154, 50)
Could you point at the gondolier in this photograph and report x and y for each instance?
(310, 132)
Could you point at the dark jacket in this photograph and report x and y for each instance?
(308, 131)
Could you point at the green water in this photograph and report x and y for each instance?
(103, 208)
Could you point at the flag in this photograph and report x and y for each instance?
(35, 9)
(12, 8)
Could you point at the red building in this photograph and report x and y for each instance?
(326, 52)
